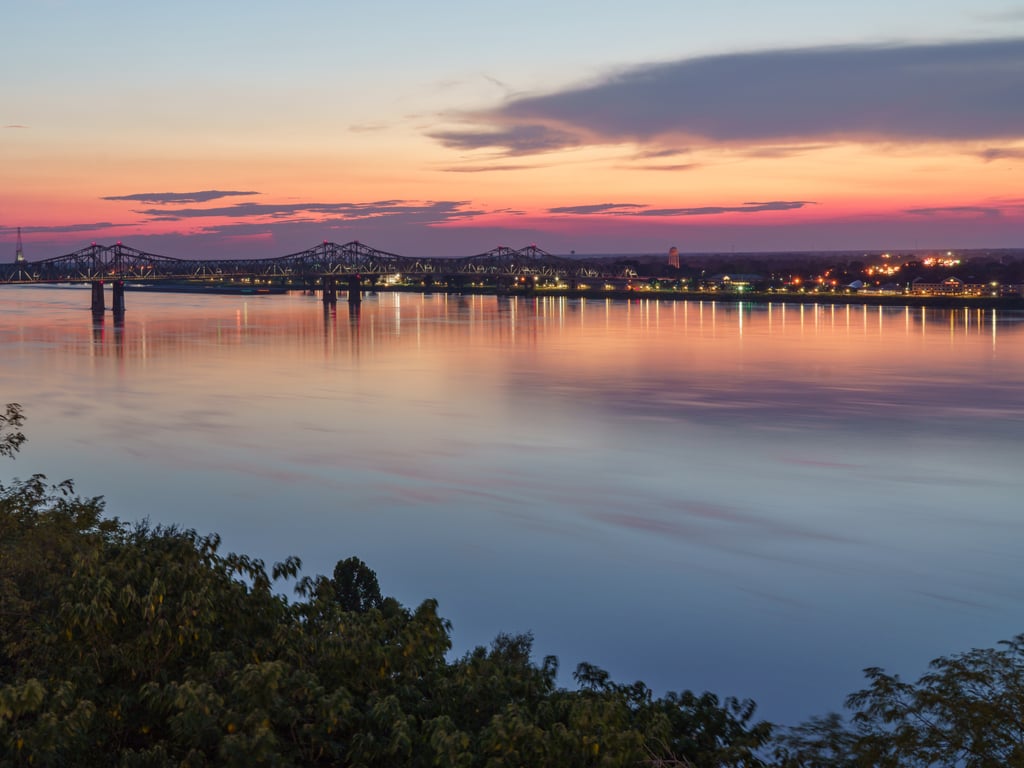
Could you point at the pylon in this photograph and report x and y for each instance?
(19, 253)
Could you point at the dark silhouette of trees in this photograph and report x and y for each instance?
(967, 710)
(11, 436)
(355, 586)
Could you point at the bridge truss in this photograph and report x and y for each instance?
(121, 262)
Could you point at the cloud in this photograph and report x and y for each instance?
(169, 198)
(970, 210)
(676, 167)
(257, 217)
(15, 125)
(499, 83)
(997, 153)
(64, 228)
(596, 208)
(527, 139)
(653, 154)
(632, 209)
(487, 168)
(912, 93)
(427, 212)
(785, 151)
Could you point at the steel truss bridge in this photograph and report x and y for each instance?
(323, 266)
(122, 262)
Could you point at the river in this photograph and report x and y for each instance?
(758, 500)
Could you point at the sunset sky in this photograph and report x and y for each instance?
(262, 128)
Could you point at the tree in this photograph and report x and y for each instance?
(821, 742)
(967, 710)
(11, 437)
(355, 586)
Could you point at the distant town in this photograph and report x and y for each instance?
(979, 273)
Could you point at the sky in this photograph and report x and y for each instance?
(197, 129)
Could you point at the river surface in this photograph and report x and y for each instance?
(757, 500)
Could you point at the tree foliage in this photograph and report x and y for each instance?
(11, 436)
(355, 586)
(966, 711)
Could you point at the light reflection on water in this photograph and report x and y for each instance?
(759, 500)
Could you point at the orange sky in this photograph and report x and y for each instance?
(263, 134)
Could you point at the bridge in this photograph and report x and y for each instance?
(325, 267)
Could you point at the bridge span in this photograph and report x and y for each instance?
(328, 267)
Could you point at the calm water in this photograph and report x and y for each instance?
(755, 500)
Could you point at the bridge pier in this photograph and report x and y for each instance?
(98, 304)
(355, 295)
(330, 289)
(118, 299)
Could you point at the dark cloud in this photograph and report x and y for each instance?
(405, 232)
(431, 212)
(329, 215)
(64, 228)
(676, 167)
(786, 151)
(525, 139)
(488, 168)
(169, 198)
(15, 125)
(654, 154)
(943, 92)
(584, 210)
(971, 210)
(997, 153)
(632, 209)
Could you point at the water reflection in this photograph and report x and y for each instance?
(756, 499)
(506, 316)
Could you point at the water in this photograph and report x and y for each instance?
(758, 500)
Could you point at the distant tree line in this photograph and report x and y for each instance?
(136, 645)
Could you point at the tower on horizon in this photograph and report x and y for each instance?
(19, 252)
(673, 257)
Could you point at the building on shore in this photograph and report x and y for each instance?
(731, 282)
